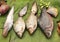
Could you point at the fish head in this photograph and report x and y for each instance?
(31, 30)
(19, 34)
(48, 31)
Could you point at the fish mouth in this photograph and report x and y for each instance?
(20, 34)
(31, 30)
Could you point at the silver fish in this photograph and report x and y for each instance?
(31, 22)
(19, 25)
(9, 22)
(52, 11)
(46, 23)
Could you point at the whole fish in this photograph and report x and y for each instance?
(19, 25)
(52, 11)
(9, 22)
(31, 22)
(46, 23)
(23, 11)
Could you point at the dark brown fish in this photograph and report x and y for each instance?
(46, 23)
(52, 11)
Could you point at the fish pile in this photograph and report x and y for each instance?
(44, 21)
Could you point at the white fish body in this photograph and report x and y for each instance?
(19, 26)
(31, 23)
(9, 22)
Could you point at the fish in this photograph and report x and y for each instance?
(52, 11)
(34, 8)
(45, 22)
(58, 27)
(31, 22)
(4, 9)
(8, 23)
(19, 25)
